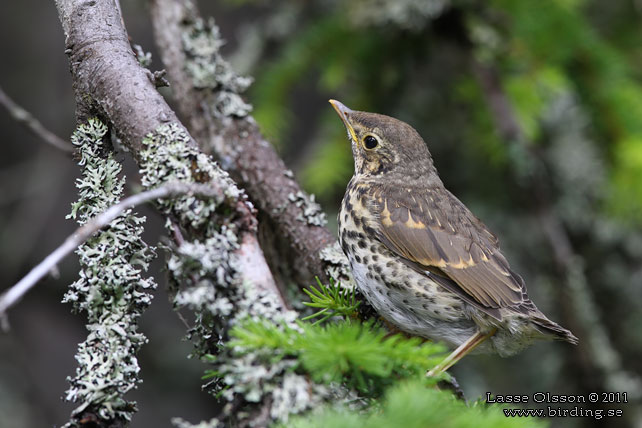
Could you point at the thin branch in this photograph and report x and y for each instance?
(80, 235)
(34, 199)
(26, 119)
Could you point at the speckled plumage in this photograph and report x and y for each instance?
(420, 257)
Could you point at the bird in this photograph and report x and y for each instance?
(420, 257)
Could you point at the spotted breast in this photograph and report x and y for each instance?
(411, 301)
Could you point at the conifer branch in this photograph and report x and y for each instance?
(332, 300)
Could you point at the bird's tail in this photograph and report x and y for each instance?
(550, 327)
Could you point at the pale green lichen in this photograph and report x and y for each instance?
(204, 269)
(337, 265)
(249, 376)
(256, 377)
(292, 396)
(311, 211)
(144, 58)
(169, 156)
(110, 290)
(197, 259)
(182, 423)
(204, 266)
(210, 72)
(260, 377)
(411, 15)
(288, 173)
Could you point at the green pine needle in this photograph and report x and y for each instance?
(333, 300)
(357, 354)
(410, 404)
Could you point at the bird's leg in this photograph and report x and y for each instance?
(460, 352)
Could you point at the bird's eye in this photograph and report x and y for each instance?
(370, 142)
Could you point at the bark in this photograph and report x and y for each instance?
(108, 78)
(110, 83)
(106, 73)
(249, 158)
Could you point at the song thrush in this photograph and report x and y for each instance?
(420, 257)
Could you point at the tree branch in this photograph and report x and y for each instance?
(234, 138)
(106, 72)
(108, 78)
(25, 118)
(80, 235)
(217, 269)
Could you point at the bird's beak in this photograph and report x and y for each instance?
(344, 113)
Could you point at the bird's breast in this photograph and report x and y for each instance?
(406, 298)
(356, 221)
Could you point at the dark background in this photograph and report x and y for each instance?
(560, 170)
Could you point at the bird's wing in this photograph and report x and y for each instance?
(436, 233)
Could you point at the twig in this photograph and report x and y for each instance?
(33, 200)
(15, 293)
(25, 118)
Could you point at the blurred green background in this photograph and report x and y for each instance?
(532, 111)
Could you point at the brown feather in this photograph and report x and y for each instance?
(434, 231)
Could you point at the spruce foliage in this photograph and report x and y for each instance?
(379, 378)
(332, 300)
(410, 404)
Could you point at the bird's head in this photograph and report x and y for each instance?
(385, 146)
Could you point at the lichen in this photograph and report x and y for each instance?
(202, 42)
(256, 377)
(110, 290)
(259, 377)
(293, 396)
(337, 265)
(288, 173)
(144, 58)
(250, 376)
(182, 423)
(169, 156)
(204, 268)
(412, 15)
(311, 211)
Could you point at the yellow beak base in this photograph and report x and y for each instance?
(344, 113)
